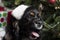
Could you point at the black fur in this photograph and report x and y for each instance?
(21, 29)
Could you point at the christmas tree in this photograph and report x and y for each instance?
(51, 17)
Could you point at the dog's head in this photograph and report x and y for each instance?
(32, 16)
(30, 22)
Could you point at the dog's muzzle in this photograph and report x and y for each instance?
(38, 24)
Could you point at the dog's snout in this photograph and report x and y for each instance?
(38, 24)
(37, 21)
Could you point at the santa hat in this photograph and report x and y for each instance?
(19, 11)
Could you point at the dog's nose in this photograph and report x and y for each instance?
(37, 21)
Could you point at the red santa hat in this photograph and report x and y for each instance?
(17, 12)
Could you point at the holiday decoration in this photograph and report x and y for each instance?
(3, 21)
(2, 8)
(52, 1)
(3, 16)
(51, 17)
(19, 14)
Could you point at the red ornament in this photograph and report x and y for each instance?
(2, 8)
(2, 19)
(52, 1)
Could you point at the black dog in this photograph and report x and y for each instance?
(28, 27)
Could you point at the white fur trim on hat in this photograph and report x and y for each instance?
(19, 11)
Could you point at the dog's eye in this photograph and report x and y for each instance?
(32, 14)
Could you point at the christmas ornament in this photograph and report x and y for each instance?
(3, 22)
(2, 19)
(1, 8)
(52, 1)
(3, 16)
